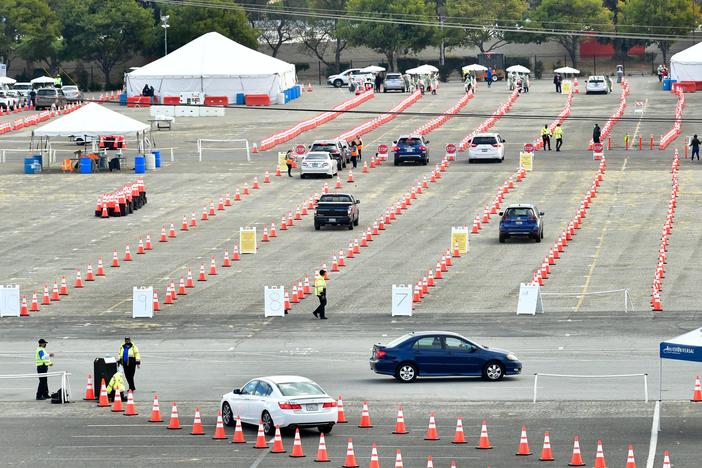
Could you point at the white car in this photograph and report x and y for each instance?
(342, 79)
(72, 93)
(280, 400)
(318, 162)
(487, 146)
(7, 101)
(22, 88)
(596, 84)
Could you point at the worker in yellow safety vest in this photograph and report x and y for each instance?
(546, 137)
(129, 358)
(558, 135)
(43, 361)
(116, 384)
(320, 290)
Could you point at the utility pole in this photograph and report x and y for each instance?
(441, 14)
(165, 26)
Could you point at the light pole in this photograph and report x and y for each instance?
(442, 13)
(165, 26)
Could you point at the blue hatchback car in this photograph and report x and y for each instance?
(412, 148)
(521, 220)
(440, 353)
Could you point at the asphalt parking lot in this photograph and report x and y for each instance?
(216, 337)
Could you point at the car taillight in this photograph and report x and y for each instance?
(379, 354)
(473, 145)
(532, 218)
(329, 404)
(494, 145)
(289, 406)
(396, 148)
(422, 148)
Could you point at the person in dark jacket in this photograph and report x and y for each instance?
(128, 356)
(378, 82)
(695, 144)
(596, 134)
(557, 81)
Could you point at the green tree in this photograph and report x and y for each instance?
(322, 35)
(190, 22)
(107, 31)
(28, 29)
(658, 17)
(390, 38)
(577, 16)
(489, 37)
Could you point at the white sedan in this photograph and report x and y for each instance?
(318, 162)
(280, 400)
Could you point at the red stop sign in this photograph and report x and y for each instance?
(451, 148)
(300, 149)
(528, 148)
(383, 149)
(598, 148)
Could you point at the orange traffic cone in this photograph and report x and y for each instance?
(398, 459)
(197, 424)
(100, 268)
(115, 260)
(374, 460)
(350, 461)
(24, 309)
(127, 254)
(697, 392)
(131, 408)
(322, 450)
(213, 266)
(341, 416)
(484, 442)
(297, 445)
(89, 275)
(46, 299)
(599, 457)
(155, 411)
(277, 442)
(201, 276)
(400, 424)
(546, 452)
(430, 463)
(89, 391)
(64, 287)
(157, 304)
(55, 296)
(261, 437)
(238, 437)
(103, 402)
(666, 460)
(630, 460)
(219, 433)
(523, 444)
(79, 280)
(576, 459)
(174, 423)
(432, 433)
(365, 417)
(459, 437)
(117, 402)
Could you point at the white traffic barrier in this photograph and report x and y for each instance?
(236, 144)
(65, 381)
(530, 302)
(402, 300)
(605, 376)
(10, 300)
(627, 297)
(274, 301)
(143, 302)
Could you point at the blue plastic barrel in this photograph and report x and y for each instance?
(668, 84)
(240, 101)
(30, 166)
(123, 99)
(86, 165)
(39, 160)
(297, 91)
(157, 156)
(139, 164)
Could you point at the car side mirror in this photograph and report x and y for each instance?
(501, 213)
(358, 201)
(504, 141)
(394, 142)
(236, 391)
(426, 142)
(541, 213)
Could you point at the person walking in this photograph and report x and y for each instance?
(596, 134)
(354, 154)
(43, 361)
(659, 72)
(558, 135)
(289, 161)
(130, 359)
(695, 144)
(546, 137)
(557, 81)
(33, 97)
(378, 82)
(320, 290)
(489, 76)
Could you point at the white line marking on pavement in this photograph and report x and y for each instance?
(259, 459)
(654, 435)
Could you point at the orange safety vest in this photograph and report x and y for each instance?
(354, 151)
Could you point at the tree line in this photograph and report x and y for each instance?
(109, 32)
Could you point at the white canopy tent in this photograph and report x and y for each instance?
(214, 65)
(687, 64)
(6, 80)
(43, 80)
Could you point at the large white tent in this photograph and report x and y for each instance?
(216, 66)
(687, 64)
(92, 120)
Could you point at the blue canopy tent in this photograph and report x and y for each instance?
(686, 347)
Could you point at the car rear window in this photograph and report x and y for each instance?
(316, 156)
(47, 92)
(326, 147)
(70, 88)
(394, 76)
(335, 199)
(484, 140)
(409, 141)
(595, 81)
(398, 341)
(293, 389)
(519, 213)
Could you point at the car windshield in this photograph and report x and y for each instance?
(335, 199)
(484, 140)
(293, 389)
(324, 147)
(409, 141)
(393, 76)
(512, 213)
(47, 92)
(317, 157)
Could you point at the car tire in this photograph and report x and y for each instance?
(355, 223)
(406, 372)
(503, 238)
(538, 238)
(338, 83)
(228, 415)
(542, 233)
(397, 162)
(317, 226)
(268, 424)
(325, 428)
(470, 161)
(302, 176)
(425, 161)
(493, 371)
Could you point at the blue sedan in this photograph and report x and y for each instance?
(438, 354)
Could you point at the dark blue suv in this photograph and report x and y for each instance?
(438, 353)
(411, 148)
(521, 220)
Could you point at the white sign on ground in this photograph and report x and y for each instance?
(402, 300)
(530, 300)
(143, 302)
(274, 301)
(10, 301)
